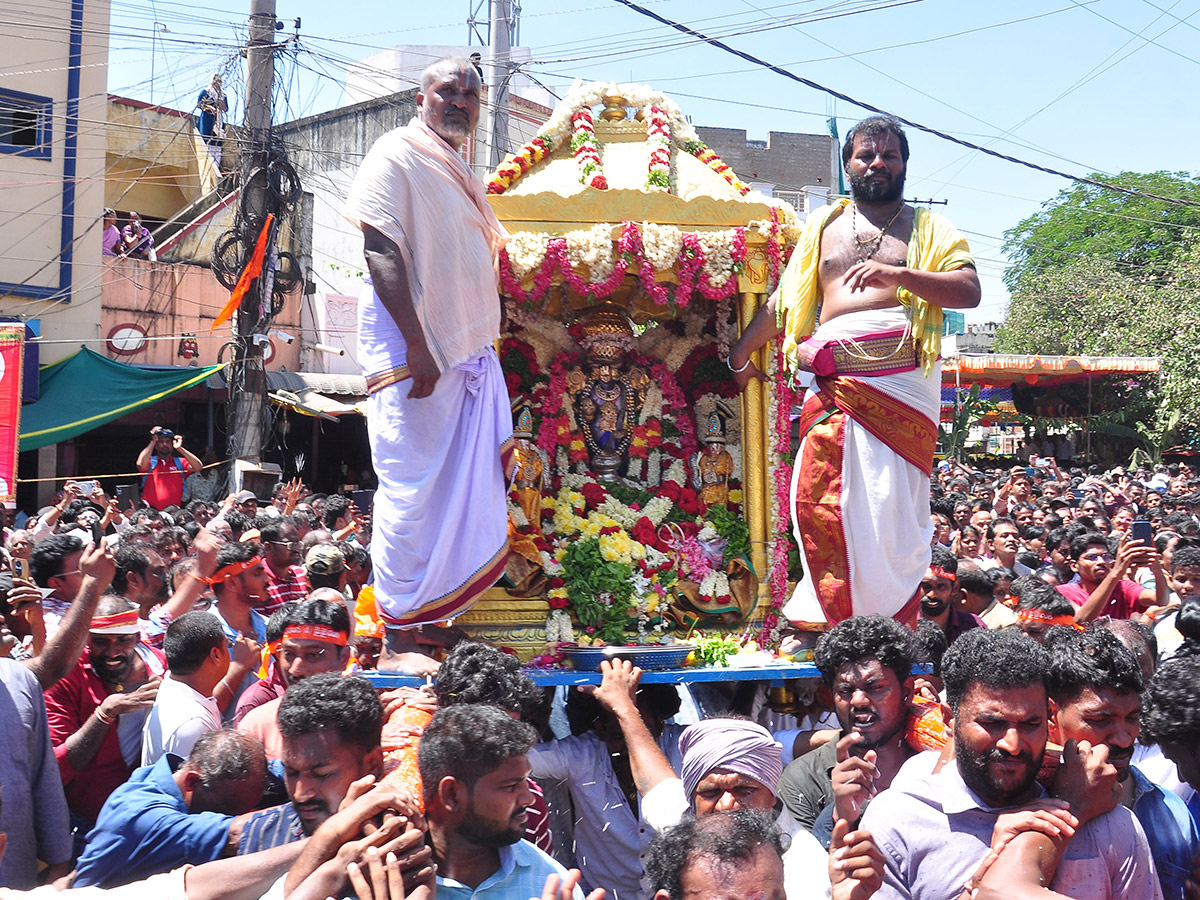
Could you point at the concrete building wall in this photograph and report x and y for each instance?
(787, 161)
(50, 208)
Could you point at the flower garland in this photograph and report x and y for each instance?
(658, 137)
(519, 163)
(649, 249)
(779, 461)
(586, 150)
(709, 157)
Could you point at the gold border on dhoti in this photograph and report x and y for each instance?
(376, 383)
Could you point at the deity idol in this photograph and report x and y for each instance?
(712, 467)
(607, 395)
(529, 471)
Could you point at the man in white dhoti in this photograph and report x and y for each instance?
(439, 418)
(879, 273)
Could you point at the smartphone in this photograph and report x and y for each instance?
(127, 495)
(363, 500)
(1141, 531)
(20, 567)
(87, 488)
(1030, 471)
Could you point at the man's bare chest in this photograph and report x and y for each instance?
(849, 240)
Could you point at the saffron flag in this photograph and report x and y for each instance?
(12, 351)
(253, 270)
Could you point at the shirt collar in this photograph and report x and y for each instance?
(956, 797)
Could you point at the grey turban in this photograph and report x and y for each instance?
(732, 744)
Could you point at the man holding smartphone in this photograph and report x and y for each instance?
(166, 463)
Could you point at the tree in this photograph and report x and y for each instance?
(1092, 306)
(1136, 234)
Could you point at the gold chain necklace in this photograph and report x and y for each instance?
(876, 240)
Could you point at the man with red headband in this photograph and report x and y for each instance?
(315, 640)
(97, 712)
(240, 583)
(939, 596)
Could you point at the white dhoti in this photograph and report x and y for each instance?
(440, 528)
(860, 486)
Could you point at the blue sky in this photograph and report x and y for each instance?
(1070, 84)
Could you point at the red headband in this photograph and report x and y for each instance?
(943, 573)
(118, 623)
(1038, 615)
(229, 571)
(316, 633)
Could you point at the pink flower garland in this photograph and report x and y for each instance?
(547, 439)
(630, 251)
(781, 434)
(773, 254)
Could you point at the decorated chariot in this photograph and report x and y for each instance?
(648, 496)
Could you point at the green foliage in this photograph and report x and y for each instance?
(1136, 234)
(1095, 307)
(733, 528)
(971, 409)
(599, 590)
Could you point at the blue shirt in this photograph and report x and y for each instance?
(522, 874)
(145, 828)
(1170, 831)
(259, 623)
(269, 828)
(34, 811)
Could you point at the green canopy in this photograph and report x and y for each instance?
(86, 390)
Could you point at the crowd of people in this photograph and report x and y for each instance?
(184, 712)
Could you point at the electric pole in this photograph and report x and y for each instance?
(247, 379)
(499, 68)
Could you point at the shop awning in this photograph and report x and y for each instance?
(86, 390)
(1001, 368)
(312, 393)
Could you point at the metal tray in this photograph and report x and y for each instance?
(644, 656)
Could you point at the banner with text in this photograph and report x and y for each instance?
(12, 346)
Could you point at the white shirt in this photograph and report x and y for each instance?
(180, 717)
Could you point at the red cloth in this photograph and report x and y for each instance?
(1121, 605)
(262, 691)
(164, 482)
(292, 585)
(537, 820)
(69, 704)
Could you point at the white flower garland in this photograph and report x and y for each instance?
(661, 244)
(526, 252)
(592, 247)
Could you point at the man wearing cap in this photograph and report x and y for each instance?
(281, 551)
(325, 567)
(728, 764)
(247, 503)
(240, 583)
(97, 712)
(165, 462)
(316, 639)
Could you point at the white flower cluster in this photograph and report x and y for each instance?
(707, 533)
(558, 627)
(718, 255)
(619, 513)
(517, 515)
(715, 584)
(526, 251)
(550, 565)
(656, 510)
(677, 472)
(661, 244)
(591, 247)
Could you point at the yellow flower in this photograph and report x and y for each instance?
(548, 503)
(560, 554)
(652, 604)
(559, 593)
(735, 496)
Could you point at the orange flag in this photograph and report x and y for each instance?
(253, 270)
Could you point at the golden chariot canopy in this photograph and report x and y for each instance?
(630, 206)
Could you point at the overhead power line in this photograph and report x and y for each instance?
(807, 82)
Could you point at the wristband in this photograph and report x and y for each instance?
(729, 364)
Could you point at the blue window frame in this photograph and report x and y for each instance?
(25, 124)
